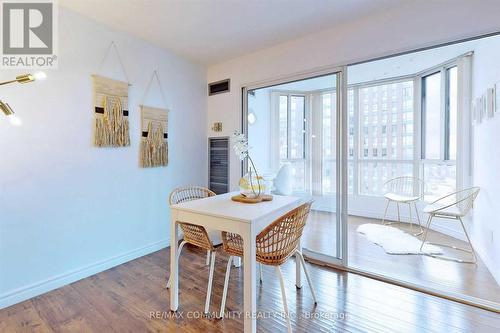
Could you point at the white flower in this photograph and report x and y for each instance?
(240, 145)
(241, 148)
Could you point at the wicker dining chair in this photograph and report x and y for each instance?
(404, 190)
(197, 235)
(274, 245)
(452, 206)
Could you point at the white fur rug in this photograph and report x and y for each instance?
(395, 241)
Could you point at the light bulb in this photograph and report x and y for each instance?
(252, 118)
(14, 120)
(40, 76)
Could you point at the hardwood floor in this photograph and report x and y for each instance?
(469, 279)
(132, 298)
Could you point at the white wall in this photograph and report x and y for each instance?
(67, 209)
(486, 214)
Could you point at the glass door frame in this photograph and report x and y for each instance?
(341, 155)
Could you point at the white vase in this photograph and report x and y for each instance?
(283, 180)
(252, 187)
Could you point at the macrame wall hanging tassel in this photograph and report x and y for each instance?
(154, 124)
(154, 146)
(146, 160)
(111, 108)
(159, 147)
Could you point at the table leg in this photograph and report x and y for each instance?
(249, 281)
(298, 271)
(174, 271)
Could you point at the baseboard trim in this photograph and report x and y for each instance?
(41, 287)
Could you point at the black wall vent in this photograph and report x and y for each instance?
(219, 87)
(218, 166)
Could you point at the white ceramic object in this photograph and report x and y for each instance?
(283, 180)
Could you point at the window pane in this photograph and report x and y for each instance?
(350, 176)
(297, 131)
(383, 104)
(329, 115)
(350, 122)
(439, 180)
(452, 109)
(373, 175)
(298, 175)
(283, 127)
(432, 120)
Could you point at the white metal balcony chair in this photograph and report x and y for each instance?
(404, 190)
(197, 235)
(452, 206)
(274, 245)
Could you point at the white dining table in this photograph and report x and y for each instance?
(221, 213)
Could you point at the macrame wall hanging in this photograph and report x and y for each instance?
(154, 146)
(154, 125)
(111, 127)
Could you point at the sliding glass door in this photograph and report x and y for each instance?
(295, 129)
(414, 116)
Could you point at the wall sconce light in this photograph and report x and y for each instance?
(25, 78)
(7, 110)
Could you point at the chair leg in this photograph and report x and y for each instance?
(181, 245)
(260, 273)
(426, 232)
(411, 218)
(283, 296)
(399, 217)
(309, 282)
(207, 261)
(210, 280)
(418, 219)
(468, 240)
(226, 283)
(418, 233)
(385, 212)
(471, 250)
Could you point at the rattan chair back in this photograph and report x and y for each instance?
(193, 234)
(277, 242)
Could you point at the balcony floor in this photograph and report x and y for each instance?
(467, 279)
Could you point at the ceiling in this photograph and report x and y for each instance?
(212, 31)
